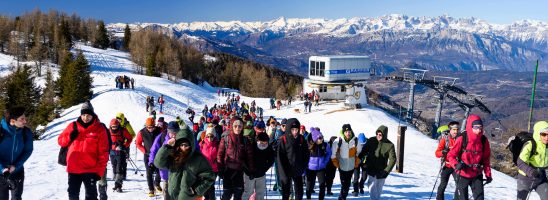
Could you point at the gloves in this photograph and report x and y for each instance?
(460, 166)
(151, 167)
(537, 173)
(488, 180)
(73, 135)
(6, 172)
(444, 152)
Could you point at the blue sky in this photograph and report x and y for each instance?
(173, 11)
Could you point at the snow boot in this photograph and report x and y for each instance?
(103, 192)
(151, 193)
(158, 188)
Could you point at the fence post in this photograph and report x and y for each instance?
(400, 148)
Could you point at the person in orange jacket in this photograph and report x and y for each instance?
(446, 144)
(88, 152)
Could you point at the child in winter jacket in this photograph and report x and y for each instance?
(320, 154)
(532, 173)
(209, 146)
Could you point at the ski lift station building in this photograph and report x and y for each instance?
(332, 76)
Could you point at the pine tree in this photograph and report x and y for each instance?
(127, 37)
(21, 91)
(150, 66)
(63, 73)
(45, 110)
(83, 78)
(101, 37)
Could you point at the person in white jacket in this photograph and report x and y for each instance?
(345, 157)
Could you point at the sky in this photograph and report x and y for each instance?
(175, 11)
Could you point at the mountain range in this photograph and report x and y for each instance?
(392, 41)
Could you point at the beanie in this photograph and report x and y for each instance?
(87, 108)
(161, 119)
(173, 127)
(316, 134)
(284, 121)
(150, 122)
(262, 137)
(477, 122)
(361, 138)
(346, 127)
(114, 122)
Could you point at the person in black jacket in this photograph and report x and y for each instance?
(292, 157)
(330, 170)
(263, 157)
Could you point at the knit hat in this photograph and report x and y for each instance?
(114, 122)
(260, 125)
(87, 108)
(284, 121)
(262, 137)
(346, 127)
(303, 127)
(210, 130)
(477, 122)
(173, 127)
(316, 134)
(361, 138)
(149, 122)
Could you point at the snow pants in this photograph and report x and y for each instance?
(359, 181)
(118, 161)
(476, 184)
(311, 181)
(233, 184)
(446, 172)
(90, 183)
(527, 185)
(13, 184)
(346, 178)
(153, 175)
(257, 185)
(330, 171)
(375, 187)
(297, 186)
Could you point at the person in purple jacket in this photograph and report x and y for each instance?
(320, 154)
(172, 129)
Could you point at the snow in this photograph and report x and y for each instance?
(45, 179)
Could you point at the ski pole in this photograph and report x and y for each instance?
(436, 182)
(530, 190)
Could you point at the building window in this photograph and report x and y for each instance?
(343, 88)
(323, 88)
(317, 68)
(312, 68)
(322, 69)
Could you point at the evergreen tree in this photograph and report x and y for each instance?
(21, 91)
(127, 37)
(150, 66)
(101, 37)
(45, 111)
(83, 78)
(63, 73)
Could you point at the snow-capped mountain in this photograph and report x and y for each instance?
(441, 42)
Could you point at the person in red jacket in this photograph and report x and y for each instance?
(235, 153)
(121, 139)
(144, 141)
(209, 147)
(470, 161)
(88, 150)
(446, 144)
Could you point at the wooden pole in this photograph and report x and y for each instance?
(400, 148)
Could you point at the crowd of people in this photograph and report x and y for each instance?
(124, 82)
(234, 143)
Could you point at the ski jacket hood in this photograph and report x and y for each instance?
(384, 130)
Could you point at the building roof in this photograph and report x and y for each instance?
(341, 56)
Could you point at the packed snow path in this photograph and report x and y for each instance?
(45, 179)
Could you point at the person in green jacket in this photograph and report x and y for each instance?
(190, 175)
(380, 158)
(532, 168)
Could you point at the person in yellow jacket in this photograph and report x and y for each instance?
(124, 123)
(532, 168)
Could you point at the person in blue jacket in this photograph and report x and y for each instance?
(320, 155)
(15, 148)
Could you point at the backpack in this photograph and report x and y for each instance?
(518, 141)
(285, 140)
(340, 143)
(465, 143)
(62, 157)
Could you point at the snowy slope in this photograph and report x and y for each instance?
(45, 179)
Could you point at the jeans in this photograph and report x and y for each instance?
(257, 185)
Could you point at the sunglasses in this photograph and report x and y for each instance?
(543, 134)
(114, 127)
(476, 127)
(379, 134)
(150, 127)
